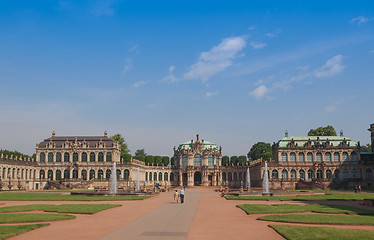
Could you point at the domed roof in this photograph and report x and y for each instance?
(188, 145)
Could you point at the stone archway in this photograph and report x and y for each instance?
(184, 179)
(197, 178)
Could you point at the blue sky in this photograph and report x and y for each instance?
(161, 72)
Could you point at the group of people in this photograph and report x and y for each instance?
(179, 194)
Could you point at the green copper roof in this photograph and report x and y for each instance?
(334, 141)
(207, 145)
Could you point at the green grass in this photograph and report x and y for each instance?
(329, 195)
(293, 208)
(321, 233)
(10, 231)
(55, 196)
(32, 217)
(321, 219)
(64, 208)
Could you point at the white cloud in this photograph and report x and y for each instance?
(103, 7)
(274, 34)
(259, 92)
(331, 68)
(217, 59)
(139, 84)
(171, 77)
(257, 45)
(334, 106)
(361, 19)
(210, 94)
(251, 28)
(371, 51)
(128, 65)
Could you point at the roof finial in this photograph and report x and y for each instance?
(286, 134)
(341, 133)
(105, 134)
(197, 137)
(53, 134)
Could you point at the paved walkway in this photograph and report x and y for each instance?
(204, 215)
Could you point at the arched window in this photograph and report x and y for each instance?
(75, 157)
(66, 174)
(146, 176)
(160, 176)
(274, 174)
(75, 174)
(336, 157)
(301, 157)
(166, 176)
(34, 174)
(328, 174)
(310, 174)
(293, 174)
(284, 174)
(92, 157)
(171, 177)
(230, 176)
(108, 157)
(327, 157)
(302, 174)
(84, 157)
(309, 157)
(126, 175)
(369, 173)
(197, 160)
(284, 157)
(50, 174)
(84, 173)
(58, 175)
(41, 174)
(184, 160)
(13, 173)
(42, 157)
(154, 176)
(345, 156)
(319, 157)
(4, 171)
(58, 157)
(240, 176)
(100, 174)
(353, 157)
(108, 173)
(319, 174)
(293, 157)
(66, 157)
(210, 160)
(345, 174)
(235, 176)
(100, 157)
(92, 174)
(50, 157)
(118, 174)
(337, 174)
(354, 173)
(223, 176)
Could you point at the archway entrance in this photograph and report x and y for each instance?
(184, 179)
(197, 178)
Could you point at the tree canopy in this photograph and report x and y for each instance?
(140, 154)
(225, 160)
(121, 141)
(366, 148)
(260, 150)
(322, 131)
(14, 154)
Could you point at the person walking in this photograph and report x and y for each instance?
(181, 194)
(176, 196)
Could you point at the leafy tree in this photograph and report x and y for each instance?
(322, 131)
(140, 154)
(126, 157)
(15, 154)
(149, 159)
(157, 160)
(234, 160)
(260, 150)
(172, 161)
(225, 160)
(119, 139)
(165, 160)
(366, 148)
(242, 159)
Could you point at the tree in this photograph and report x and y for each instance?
(366, 148)
(157, 160)
(121, 141)
(165, 160)
(242, 160)
(140, 154)
(233, 160)
(225, 160)
(126, 157)
(15, 154)
(260, 150)
(322, 131)
(149, 159)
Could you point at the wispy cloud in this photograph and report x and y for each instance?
(139, 84)
(274, 33)
(361, 19)
(210, 94)
(259, 92)
(171, 77)
(251, 28)
(103, 8)
(334, 106)
(371, 51)
(257, 45)
(129, 60)
(331, 68)
(217, 59)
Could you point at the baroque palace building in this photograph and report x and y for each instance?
(87, 162)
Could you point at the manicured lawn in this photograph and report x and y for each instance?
(64, 208)
(321, 219)
(10, 231)
(319, 233)
(293, 208)
(32, 217)
(329, 195)
(55, 196)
